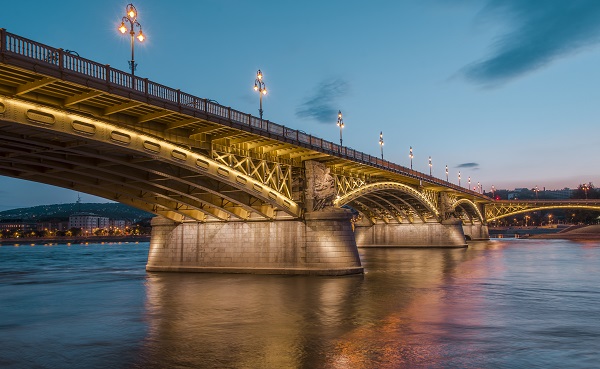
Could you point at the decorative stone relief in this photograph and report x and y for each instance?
(320, 186)
(447, 206)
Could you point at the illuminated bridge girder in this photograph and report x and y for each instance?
(345, 184)
(268, 172)
(507, 208)
(129, 179)
(39, 142)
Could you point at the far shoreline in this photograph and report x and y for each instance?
(76, 240)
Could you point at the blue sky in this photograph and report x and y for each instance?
(504, 91)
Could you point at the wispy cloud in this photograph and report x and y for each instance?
(473, 166)
(322, 105)
(540, 32)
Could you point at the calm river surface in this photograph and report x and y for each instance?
(497, 304)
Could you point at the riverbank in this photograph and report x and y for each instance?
(524, 232)
(67, 240)
(582, 233)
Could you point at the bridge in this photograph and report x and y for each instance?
(232, 192)
(507, 208)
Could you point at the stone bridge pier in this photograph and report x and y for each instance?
(443, 228)
(476, 232)
(448, 233)
(321, 242)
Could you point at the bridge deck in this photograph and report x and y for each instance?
(40, 73)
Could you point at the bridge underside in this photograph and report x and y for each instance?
(100, 160)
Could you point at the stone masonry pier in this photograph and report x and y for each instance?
(446, 234)
(476, 232)
(322, 244)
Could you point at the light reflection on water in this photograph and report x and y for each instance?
(497, 304)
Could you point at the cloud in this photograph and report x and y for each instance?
(322, 105)
(474, 166)
(540, 32)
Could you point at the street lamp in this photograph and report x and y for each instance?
(459, 178)
(340, 123)
(410, 155)
(585, 189)
(430, 165)
(131, 18)
(479, 187)
(469, 183)
(493, 192)
(259, 85)
(536, 192)
(446, 173)
(381, 143)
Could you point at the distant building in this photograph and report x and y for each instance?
(88, 222)
(118, 223)
(53, 225)
(565, 193)
(543, 194)
(14, 225)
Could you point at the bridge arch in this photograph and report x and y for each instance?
(469, 208)
(390, 201)
(61, 148)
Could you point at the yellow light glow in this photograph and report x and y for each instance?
(131, 13)
(122, 28)
(141, 37)
(255, 88)
(264, 91)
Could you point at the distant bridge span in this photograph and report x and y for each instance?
(506, 208)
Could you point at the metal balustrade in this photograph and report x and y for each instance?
(12, 45)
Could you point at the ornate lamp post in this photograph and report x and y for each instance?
(459, 178)
(430, 165)
(585, 189)
(340, 123)
(410, 155)
(131, 18)
(493, 192)
(536, 192)
(381, 143)
(479, 187)
(446, 172)
(259, 85)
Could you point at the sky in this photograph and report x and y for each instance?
(504, 91)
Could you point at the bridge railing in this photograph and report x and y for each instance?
(73, 67)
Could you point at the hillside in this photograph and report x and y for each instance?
(62, 211)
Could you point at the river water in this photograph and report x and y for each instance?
(497, 304)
